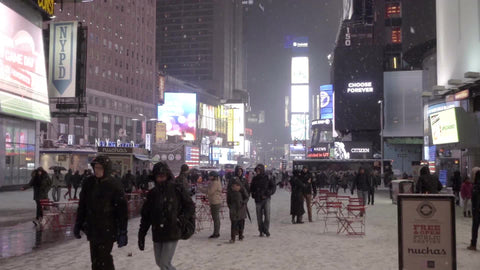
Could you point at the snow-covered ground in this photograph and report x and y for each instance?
(289, 247)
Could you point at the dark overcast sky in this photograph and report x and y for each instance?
(269, 63)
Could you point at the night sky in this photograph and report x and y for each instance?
(268, 61)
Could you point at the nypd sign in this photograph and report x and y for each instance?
(62, 59)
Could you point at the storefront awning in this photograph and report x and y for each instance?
(142, 157)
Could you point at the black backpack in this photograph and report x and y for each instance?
(186, 223)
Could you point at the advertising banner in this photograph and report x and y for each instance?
(444, 127)
(300, 70)
(238, 121)
(179, 113)
(23, 80)
(160, 132)
(148, 142)
(161, 89)
(426, 232)
(321, 151)
(353, 150)
(299, 128)
(299, 98)
(62, 68)
(326, 101)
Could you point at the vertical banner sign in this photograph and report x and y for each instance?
(148, 142)
(161, 132)
(62, 70)
(426, 232)
(326, 101)
(161, 89)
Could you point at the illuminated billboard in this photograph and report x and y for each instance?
(23, 82)
(299, 96)
(444, 127)
(300, 70)
(300, 126)
(326, 101)
(236, 126)
(207, 117)
(179, 114)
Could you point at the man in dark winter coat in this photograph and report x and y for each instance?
(237, 198)
(296, 199)
(456, 186)
(77, 181)
(182, 178)
(41, 184)
(428, 184)
(362, 184)
(102, 214)
(144, 180)
(475, 211)
(310, 187)
(167, 205)
(262, 188)
(128, 181)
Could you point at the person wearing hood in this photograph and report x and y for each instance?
(167, 206)
(475, 211)
(262, 188)
(182, 178)
(237, 199)
(102, 214)
(214, 195)
(41, 184)
(240, 178)
(296, 200)
(428, 184)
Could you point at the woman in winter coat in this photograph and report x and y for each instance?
(297, 198)
(456, 186)
(466, 193)
(167, 205)
(428, 184)
(237, 198)
(41, 184)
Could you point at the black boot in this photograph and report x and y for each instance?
(293, 219)
(464, 214)
(240, 235)
(469, 213)
(299, 219)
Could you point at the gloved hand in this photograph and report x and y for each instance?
(122, 239)
(141, 242)
(76, 231)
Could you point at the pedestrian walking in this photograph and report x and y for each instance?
(262, 188)
(102, 214)
(170, 211)
(466, 193)
(57, 182)
(456, 181)
(128, 181)
(309, 190)
(182, 178)
(296, 198)
(68, 183)
(214, 195)
(427, 183)
(475, 211)
(144, 181)
(372, 186)
(77, 181)
(41, 183)
(237, 199)
(362, 184)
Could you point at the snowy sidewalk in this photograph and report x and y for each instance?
(299, 246)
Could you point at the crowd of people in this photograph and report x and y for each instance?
(170, 211)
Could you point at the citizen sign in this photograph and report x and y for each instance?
(360, 87)
(360, 150)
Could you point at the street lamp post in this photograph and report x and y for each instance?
(380, 102)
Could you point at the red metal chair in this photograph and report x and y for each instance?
(354, 222)
(333, 212)
(51, 215)
(320, 204)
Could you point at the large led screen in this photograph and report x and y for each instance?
(179, 114)
(300, 99)
(444, 127)
(23, 82)
(300, 126)
(299, 70)
(358, 86)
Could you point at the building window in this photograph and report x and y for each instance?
(392, 10)
(396, 35)
(106, 118)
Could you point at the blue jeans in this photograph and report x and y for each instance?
(164, 252)
(263, 215)
(363, 194)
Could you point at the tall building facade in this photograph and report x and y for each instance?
(121, 73)
(202, 42)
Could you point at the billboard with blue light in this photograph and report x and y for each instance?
(179, 114)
